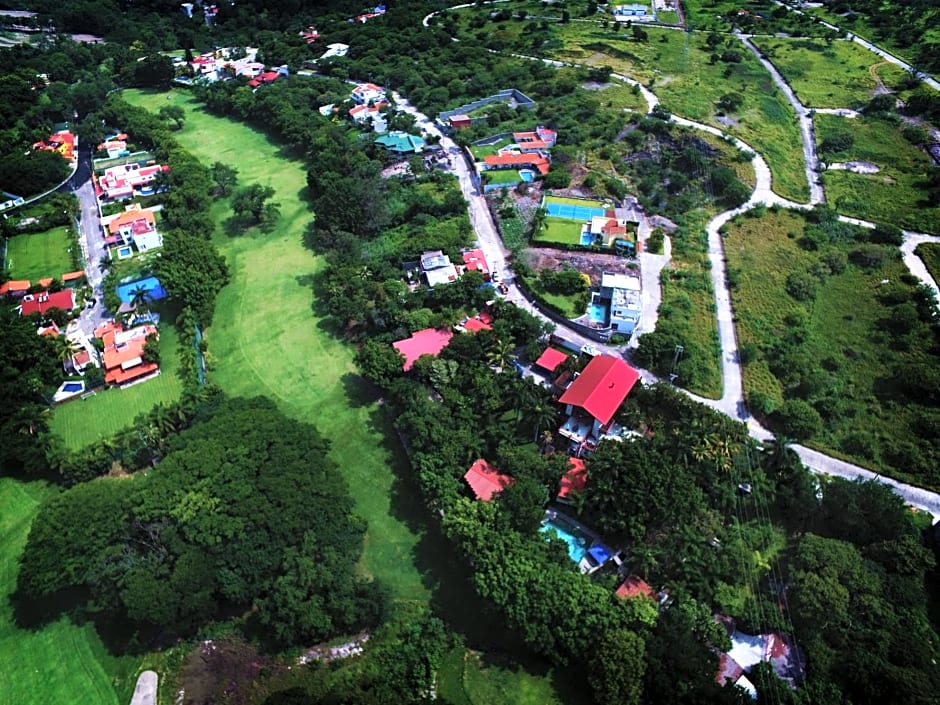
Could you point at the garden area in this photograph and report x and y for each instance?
(896, 194)
(835, 340)
(269, 306)
(35, 256)
(830, 74)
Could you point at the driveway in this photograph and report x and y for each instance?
(145, 692)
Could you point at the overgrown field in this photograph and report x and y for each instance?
(833, 336)
(83, 422)
(929, 252)
(896, 194)
(829, 74)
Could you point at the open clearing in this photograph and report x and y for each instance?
(83, 422)
(36, 256)
(61, 662)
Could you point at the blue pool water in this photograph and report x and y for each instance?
(566, 210)
(578, 544)
(73, 387)
(587, 239)
(125, 252)
(597, 313)
(527, 175)
(151, 284)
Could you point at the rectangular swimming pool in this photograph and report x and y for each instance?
(578, 542)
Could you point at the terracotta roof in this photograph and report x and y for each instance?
(429, 341)
(46, 282)
(575, 480)
(475, 259)
(71, 276)
(485, 480)
(633, 586)
(551, 359)
(601, 388)
(521, 160)
(472, 325)
(42, 302)
(139, 220)
(14, 285)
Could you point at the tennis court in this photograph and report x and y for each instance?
(586, 211)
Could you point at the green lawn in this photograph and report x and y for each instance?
(502, 176)
(61, 662)
(894, 195)
(36, 256)
(667, 16)
(83, 422)
(485, 150)
(560, 230)
(829, 75)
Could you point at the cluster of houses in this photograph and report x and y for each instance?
(528, 153)
(435, 267)
(372, 13)
(219, 65)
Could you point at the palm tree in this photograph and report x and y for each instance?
(140, 297)
(65, 348)
(544, 416)
(500, 354)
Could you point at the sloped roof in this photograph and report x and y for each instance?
(602, 387)
(472, 325)
(475, 259)
(534, 161)
(40, 303)
(551, 359)
(486, 481)
(14, 285)
(429, 341)
(575, 480)
(633, 586)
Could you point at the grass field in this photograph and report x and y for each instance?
(667, 16)
(502, 176)
(560, 230)
(485, 150)
(845, 341)
(83, 422)
(829, 75)
(35, 256)
(62, 662)
(893, 195)
(929, 252)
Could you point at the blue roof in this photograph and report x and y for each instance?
(600, 553)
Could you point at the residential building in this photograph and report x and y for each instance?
(593, 398)
(429, 341)
(622, 293)
(401, 142)
(367, 93)
(15, 288)
(335, 51)
(539, 139)
(476, 260)
(124, 351)
(61, 142)
(459, 122)
(486, 481)
(135, 227)
(115, 146)
(264, 78)
(518, 160)
(635, 586)
(474, 324)
(437, 268)
(124, 180)
(551, 360)
(574, 481)
(43, 302)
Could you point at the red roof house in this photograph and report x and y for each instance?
(517, 161)
(429, 341)
(573, 481)
(486, 481)
(124, 351)
(43, 302)
(601, 388)
(459, 122)
(633, 586)
(475, 324)
(14, 287)
(475, 259)
(551, 359)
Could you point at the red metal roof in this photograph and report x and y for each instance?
(40, 303)
(575, 480)
(472, 325)
(475, 259)
(551, 359)
(429, 341)
(633, 586)
(602, 387)
(486, 481)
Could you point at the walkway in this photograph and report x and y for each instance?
(145, 692)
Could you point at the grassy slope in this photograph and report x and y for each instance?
(81, 423)
(836, 75)
(267, 340)
(891, 196)
(929, 252)
(38, 255)
(62, 662)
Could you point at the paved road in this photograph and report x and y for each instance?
(91, 240)
(145, 692)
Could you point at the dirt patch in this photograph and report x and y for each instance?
(223, 671)
(594, 264)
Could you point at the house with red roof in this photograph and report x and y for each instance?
(574, 481)
(264, 79)
(474, 324)
(124, 352)
(459, 122)
(15, 288)
(535, 141)
(593, 398)
(136, 227)
(124, 180)
(551, 360)
(486, 481)
(45, 301)
(514, 160)
(367, 94)
(62, 142)
(635, 586)
(429, 341)
(475, 259)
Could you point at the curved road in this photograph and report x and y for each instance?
(732, 401)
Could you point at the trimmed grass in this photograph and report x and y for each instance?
(847, 355)
(839, 74)
(894, 195)
(502, 176)
(36, 256)
(560, 230)
(83, 422)
(667, 16)
(62, 662)
(929, 252)
(485, 150)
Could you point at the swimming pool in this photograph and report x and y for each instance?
(67, 390)
(527, 175)
(571, 211)
(597, 313)
(73, 387)
(578, 542)
(124, 252)
(155, 290)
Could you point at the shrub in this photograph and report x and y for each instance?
(799, 419)
(801, 286)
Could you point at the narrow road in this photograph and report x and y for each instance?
(91, 240)
(145, 692)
